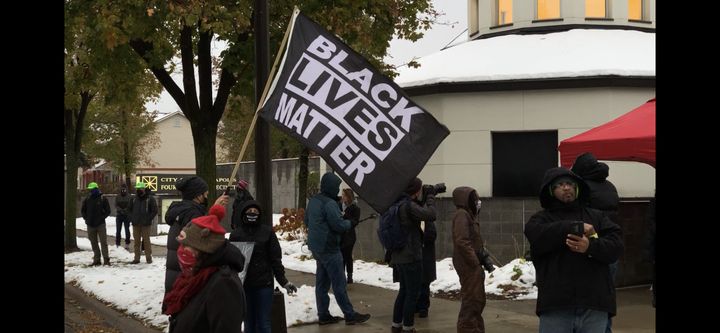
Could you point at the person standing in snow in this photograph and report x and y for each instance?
(603, 195)
(208, 295)
(122, 201)
(571, 246)
(407, 261)
(95, 209)
(325, 225)
(194, 192)
(351, 212)
(468, 258)
(265, 262)
(143, 210)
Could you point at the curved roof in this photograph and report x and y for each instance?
(569, 54)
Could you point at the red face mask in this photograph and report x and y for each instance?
(186, 258)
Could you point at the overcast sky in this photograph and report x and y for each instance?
(400, 52)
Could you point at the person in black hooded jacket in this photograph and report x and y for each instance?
(194, 192)
(265, 262)
(574, 288)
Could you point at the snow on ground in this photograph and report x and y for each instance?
(138, 289)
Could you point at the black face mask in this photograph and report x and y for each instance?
(140, 192)
(251, 218)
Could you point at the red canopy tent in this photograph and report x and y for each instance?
(630, 137)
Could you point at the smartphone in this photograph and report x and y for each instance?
(577, 228)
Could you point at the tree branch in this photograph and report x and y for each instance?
(188, 68)
(227, 81)
(205, 70)
(143, 48)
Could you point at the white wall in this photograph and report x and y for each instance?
(465, 156)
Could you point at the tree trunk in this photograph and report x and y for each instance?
(205, 155)
(71, 160)
(303, 178)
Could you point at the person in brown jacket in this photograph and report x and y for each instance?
(468, 249)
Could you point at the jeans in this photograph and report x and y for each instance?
(121, 220)
(329, 271)
(410, 279)
(423, 302)
(259, 306)
(573, 321)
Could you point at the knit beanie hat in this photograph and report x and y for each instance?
(205, 233)
(414, 186)
(191, 187)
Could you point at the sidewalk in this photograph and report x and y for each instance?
(635, 313)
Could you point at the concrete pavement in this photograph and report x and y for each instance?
(635, 313)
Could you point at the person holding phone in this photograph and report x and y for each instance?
(571, 246)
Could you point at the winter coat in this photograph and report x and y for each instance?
(566, 279)
(428, 252)
(323, 219)
(220, 306)
(177, 216)
(467, 241)
(410, 215)
(266, 259)
(121, 204)
(143, 210)
(352, 213)
(603, 194)
(94, 210)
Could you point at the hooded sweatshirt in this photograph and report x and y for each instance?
(566, 279)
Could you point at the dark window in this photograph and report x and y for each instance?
(520, 160)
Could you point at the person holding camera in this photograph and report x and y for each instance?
(407, 260)
(572, 246)
(428, 254)
(469, 258)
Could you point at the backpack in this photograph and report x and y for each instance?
(392, 235)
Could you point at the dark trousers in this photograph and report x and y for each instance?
(423, 302)
(121, 220)
(259, 307)
(410, 278)
(347, 259)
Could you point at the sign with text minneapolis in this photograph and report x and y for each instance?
(334, 102)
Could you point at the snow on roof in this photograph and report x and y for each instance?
(573, 53)
(168, 116)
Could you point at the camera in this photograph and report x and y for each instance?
(433, 189)
(485, 261)
(577, 228)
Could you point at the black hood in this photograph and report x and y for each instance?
(588, 167)
(547, 200)
(181, 208)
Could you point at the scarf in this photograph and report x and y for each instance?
(184, 289)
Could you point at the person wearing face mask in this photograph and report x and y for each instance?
(351, 212)
(121, 216)
(467, 244)
(95, 209)
(208, 295)
(265, 263)
(194, 192)
(143, 209)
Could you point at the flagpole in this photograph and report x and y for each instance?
(264, 94)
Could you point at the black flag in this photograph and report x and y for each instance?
(334, 102)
